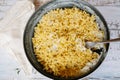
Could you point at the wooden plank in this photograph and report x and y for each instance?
(103, 2)
(110, 68)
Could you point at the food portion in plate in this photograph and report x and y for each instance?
(59, 41)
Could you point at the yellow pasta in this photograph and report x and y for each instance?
(59, 41)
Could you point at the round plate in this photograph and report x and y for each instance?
(29, 30)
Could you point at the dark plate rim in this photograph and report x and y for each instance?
(25, 43)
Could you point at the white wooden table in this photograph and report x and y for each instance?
(110, 68)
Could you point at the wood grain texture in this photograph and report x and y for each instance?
(103, 2)
(110, 68)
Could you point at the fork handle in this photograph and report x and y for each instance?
(111, 40)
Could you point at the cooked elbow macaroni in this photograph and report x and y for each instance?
(59, 41)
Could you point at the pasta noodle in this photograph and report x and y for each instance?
(59, 41)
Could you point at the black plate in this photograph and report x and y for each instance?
(29, 30)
